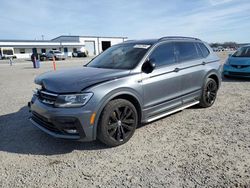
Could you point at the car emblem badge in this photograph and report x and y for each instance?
(238, 67)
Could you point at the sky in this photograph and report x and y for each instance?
(209, 20)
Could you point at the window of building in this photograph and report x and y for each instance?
(22, 51)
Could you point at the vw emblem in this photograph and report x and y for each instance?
(239, 67)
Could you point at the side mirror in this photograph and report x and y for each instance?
(148, 66)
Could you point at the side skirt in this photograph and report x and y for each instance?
(171, 112)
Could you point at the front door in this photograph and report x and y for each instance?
(162, 87)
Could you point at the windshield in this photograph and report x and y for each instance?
(122, 56)
(242, 52)
(57, 52)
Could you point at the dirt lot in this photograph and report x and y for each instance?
(195, 147)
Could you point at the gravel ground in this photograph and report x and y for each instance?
(192, 148)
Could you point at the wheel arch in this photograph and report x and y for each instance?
(127, 95)
(214, 75)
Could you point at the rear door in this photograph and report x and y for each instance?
(192, 68)
(162, 87)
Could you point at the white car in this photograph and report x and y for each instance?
(7, 53)
(55, 53)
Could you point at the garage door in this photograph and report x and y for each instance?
(90, 47)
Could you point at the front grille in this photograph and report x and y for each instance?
(46, 97)
(42, 121)
(239, 73)
(240, 66)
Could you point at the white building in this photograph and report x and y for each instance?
(67, 44)
(93, 44)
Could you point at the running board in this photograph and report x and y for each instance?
(171, 112)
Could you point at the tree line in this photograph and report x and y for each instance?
(225, 45)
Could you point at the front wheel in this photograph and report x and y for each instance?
(209, 93)
(117, 123)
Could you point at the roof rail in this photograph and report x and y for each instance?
(177, 37)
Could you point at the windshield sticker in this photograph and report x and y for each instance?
(144, 46)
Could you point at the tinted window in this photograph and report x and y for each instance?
(186, 51)
(198, 48)
(204, 50)
(163, 54)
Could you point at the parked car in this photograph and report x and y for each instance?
(55, 53)
(39, 56)
(7, 53)
(43, 57)
(238, 64)
(128, 84)
(79, 54)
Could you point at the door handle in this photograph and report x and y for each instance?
(176, 70)
(203, 63)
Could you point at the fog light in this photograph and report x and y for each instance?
(71, 131)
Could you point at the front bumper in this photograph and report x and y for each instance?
(229, 70)
(66, 123)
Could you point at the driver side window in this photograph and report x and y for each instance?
(163, 55)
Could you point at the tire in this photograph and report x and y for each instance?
(209, 93)
(117, 123)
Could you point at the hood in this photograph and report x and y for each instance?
(75, 80)
(239, 60)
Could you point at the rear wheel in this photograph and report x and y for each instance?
(209, 93)
(117, 123)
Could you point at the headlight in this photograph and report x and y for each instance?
(74, 100)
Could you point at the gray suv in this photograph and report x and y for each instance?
(134, 82)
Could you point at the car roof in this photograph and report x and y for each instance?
(168, 38)
(246, 46)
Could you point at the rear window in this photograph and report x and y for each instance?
(204, 49)
(186, 51)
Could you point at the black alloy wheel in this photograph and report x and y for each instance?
(118, 122)
(209, 93)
